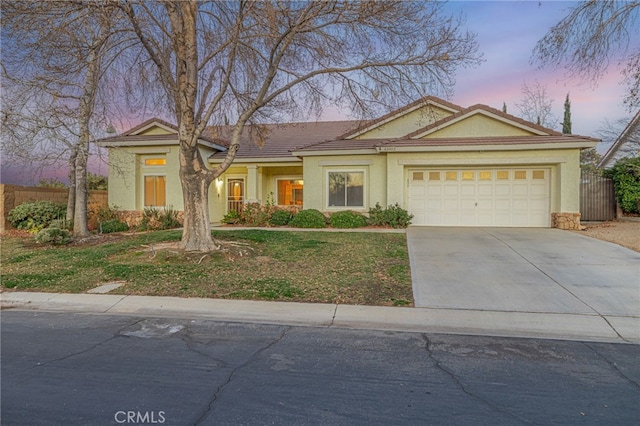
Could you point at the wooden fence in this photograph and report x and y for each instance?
(14, 195)
(597, 198)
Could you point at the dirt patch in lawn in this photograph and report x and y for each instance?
(624, 233)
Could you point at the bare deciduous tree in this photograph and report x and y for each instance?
(536, 105)
(245, 62)
(54, 54)
(594, 34)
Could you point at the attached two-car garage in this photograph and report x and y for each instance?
(506, 197)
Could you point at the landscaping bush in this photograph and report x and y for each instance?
(393, 216)
(280, 218)
(36, 215)
(256, 214)
(311, 218)
(159, 219)
(105, 213)
(347, 219)
(113, 225)
(62, 224)
(232, 218)
(54, 236)
(626, 182)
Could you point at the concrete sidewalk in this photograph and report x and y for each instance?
(587, 326)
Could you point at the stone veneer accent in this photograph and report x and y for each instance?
(565, 220)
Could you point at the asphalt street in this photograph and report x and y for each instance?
(98, 369)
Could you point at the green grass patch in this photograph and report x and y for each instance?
(329, 267)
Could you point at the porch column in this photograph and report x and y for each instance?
(252, 184)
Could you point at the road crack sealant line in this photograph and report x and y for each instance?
(613, 365)
(89, 349)
(205, 413)
(560, 285)
(458, 382)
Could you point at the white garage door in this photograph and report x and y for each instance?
(480, 197)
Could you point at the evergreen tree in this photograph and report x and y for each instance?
(566, 123)
(504, 107)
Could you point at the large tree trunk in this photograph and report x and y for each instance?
(80, 223)
(71, 198)
(196, 234)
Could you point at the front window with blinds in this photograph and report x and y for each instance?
(346, 189)
(155, 191)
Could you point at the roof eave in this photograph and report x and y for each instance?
(494, 147)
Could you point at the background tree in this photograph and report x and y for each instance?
(248, 62)
(592, 36)
(566, 122)
(504, 107)
(54, 55)
(611, 130)
(536, 105)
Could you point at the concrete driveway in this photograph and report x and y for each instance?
(528, 271)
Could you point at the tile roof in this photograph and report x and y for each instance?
(278, 140)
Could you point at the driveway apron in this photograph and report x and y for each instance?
(523, 270)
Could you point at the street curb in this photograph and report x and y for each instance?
(589, 327)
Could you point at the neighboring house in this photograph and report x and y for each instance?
(447, 165)
(626, 145)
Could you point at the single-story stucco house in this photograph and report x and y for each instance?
(447, 165)
(626, 145)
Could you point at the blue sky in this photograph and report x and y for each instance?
(507, 33)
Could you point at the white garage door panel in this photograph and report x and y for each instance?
(483, 197)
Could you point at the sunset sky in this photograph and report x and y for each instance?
(507, 33)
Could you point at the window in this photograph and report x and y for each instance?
(468, 175)
(434, 175)
(452, 176)
(154, 191)
(520, 174)
(346, 189)
(417, 176)
(290, 192)
(538, 174)
(503, 174)
(485, 175)
(155, 162)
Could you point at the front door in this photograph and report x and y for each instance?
(235, 194)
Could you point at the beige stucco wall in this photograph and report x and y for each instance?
(315, 179)
(127, 171)
(563, 163)
(407, 123)
(478, 126)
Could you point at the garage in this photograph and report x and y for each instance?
(508, 197)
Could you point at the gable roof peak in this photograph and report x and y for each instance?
(149, 123)
(485, 110)
(376, 122)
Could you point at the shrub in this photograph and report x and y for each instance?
(105, 213)
(393, 216)
(54, 236)
(256, 214)
(62, 224)
(311, 218)
(232, 217)
(36, 215)
(158, 219)
(280, 218)
(113, 225)
(626, 181)
(347, 219)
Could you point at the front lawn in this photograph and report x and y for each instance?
(328, 267)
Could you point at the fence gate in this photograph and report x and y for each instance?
(597, 198)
